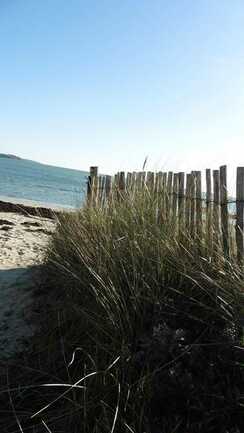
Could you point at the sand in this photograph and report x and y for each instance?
(23, 240)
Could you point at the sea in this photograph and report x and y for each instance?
(29, 182)
(34, 183)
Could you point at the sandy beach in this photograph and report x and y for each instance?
(23, 240)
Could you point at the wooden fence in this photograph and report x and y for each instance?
(197, 207)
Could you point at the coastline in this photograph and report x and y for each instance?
(28, 207)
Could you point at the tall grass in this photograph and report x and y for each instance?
(150, 325)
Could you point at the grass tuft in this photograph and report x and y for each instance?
(146, 334)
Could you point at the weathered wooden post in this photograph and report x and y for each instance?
(100, 185)
(121, 185)
(208, 222)
(139, 181)
(216, 202)
(115, 186)
(239, 212)
(193, 205)
(91, 187)
(175, 197)
(199, 204)
(188, 202)
(169, 195)
(150, 181)
(164, 185)
(224, 209)
(158, 182)
(143, 181)
(133, 178)
(128, 182)
(108, 186)
(181, 199)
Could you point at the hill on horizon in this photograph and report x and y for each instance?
(9, 156)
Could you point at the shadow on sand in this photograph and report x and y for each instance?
(17, 292)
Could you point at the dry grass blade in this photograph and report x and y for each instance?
(150, 318)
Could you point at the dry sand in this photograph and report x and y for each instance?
(23, 240)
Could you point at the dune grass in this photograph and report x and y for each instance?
(145, 332)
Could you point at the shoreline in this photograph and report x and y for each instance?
(31, 208)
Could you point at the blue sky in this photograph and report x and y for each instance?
(107, 82)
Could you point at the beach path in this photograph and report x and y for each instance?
(23, 240)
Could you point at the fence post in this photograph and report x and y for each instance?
(133, 178)
(175, 196)
(116, 180)
(193, 204)
(158, 182)
(121, 185)
(224, 209)
(163, 192)
(128, 182)
(199, 203)
(181, 198)
(150, 181)
(91, 189)
(216, 205)
(100, 195)
(160, 194)
(140, 180)
(108, 186)
(169, 194)
(239, 212)
(188, 202)
(133, 182)
(208, 223)
(143, 180)
(164, 181)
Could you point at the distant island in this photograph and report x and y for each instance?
(6, 155)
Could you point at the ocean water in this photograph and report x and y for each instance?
(22, 180)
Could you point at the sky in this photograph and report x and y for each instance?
(109, 82)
